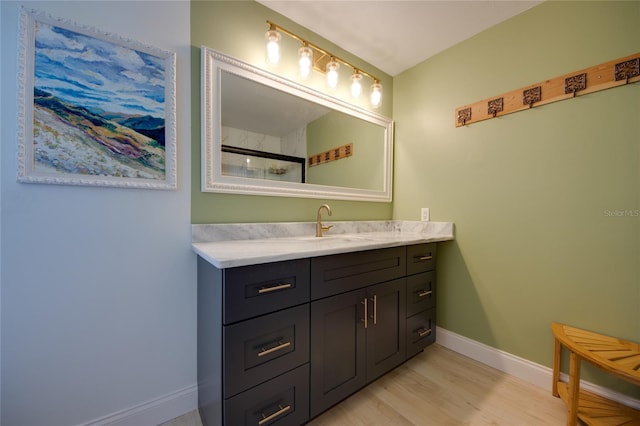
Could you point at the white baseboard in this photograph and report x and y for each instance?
(526, 370)
(154, 412)
(165, 408)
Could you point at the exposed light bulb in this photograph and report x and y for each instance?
(305, 61)
(332, 73)
(273, 47)
(356, 85)
(376, 94)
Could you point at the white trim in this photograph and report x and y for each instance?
(153, 412)
(521, 368)
(175, 404)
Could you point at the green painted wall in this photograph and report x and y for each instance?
(237, 28)
(546, 202)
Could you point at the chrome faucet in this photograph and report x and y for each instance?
(319, 226)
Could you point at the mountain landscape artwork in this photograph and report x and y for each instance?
(99, 107)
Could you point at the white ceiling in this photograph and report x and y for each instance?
(395, 35)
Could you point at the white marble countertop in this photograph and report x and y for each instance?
(240, 244)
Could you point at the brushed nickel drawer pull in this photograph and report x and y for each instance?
(422, 332)
(423, 258)
(266, 351)
(280, 412)
(264, 290)
(423, 293)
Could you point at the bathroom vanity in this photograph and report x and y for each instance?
(290, 325)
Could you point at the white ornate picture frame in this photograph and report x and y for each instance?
(94, 108)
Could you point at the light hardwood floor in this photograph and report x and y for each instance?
(440, 387)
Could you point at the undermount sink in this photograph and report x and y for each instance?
(331, 237)
(304, 243)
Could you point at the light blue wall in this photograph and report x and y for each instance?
(98, 284)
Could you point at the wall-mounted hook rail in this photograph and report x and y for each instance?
(599, 77)
(337, 153)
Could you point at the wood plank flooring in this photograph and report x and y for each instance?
(440, 387)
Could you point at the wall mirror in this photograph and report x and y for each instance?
(266, 135)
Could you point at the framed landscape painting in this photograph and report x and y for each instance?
(95, 108)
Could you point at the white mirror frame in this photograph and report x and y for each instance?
(213, 64)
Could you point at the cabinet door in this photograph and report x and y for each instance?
(386, 326)
(337, 349)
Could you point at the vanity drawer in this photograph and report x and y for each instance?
(421, 331)
(340, 273)
(421, 292)
(421, 258)
(261, 348)
(254, 290)
(283, 401)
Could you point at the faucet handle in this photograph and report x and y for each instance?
(319, 226)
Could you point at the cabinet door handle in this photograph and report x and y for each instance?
(280, 412)
(424, 332)
(365, 303)
(266, 351)
(374, 299)
(424, 258)
(264, 290)
(423, 293)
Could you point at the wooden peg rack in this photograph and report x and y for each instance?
(600, 77)
(331, 155)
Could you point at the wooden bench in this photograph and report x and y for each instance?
(615, 356)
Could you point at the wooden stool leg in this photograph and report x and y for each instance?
(556, 367)
(573, 389)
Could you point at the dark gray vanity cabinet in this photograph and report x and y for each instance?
(357, 321)
(253, 344)
(421, 297)
(279, 343)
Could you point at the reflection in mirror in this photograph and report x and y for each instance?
(262, 134)
(261, 164)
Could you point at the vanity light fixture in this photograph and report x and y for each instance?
(312, 56)
(376, 94)
(273, 44)
(332, 73)
(305, 60)
(356, 84)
